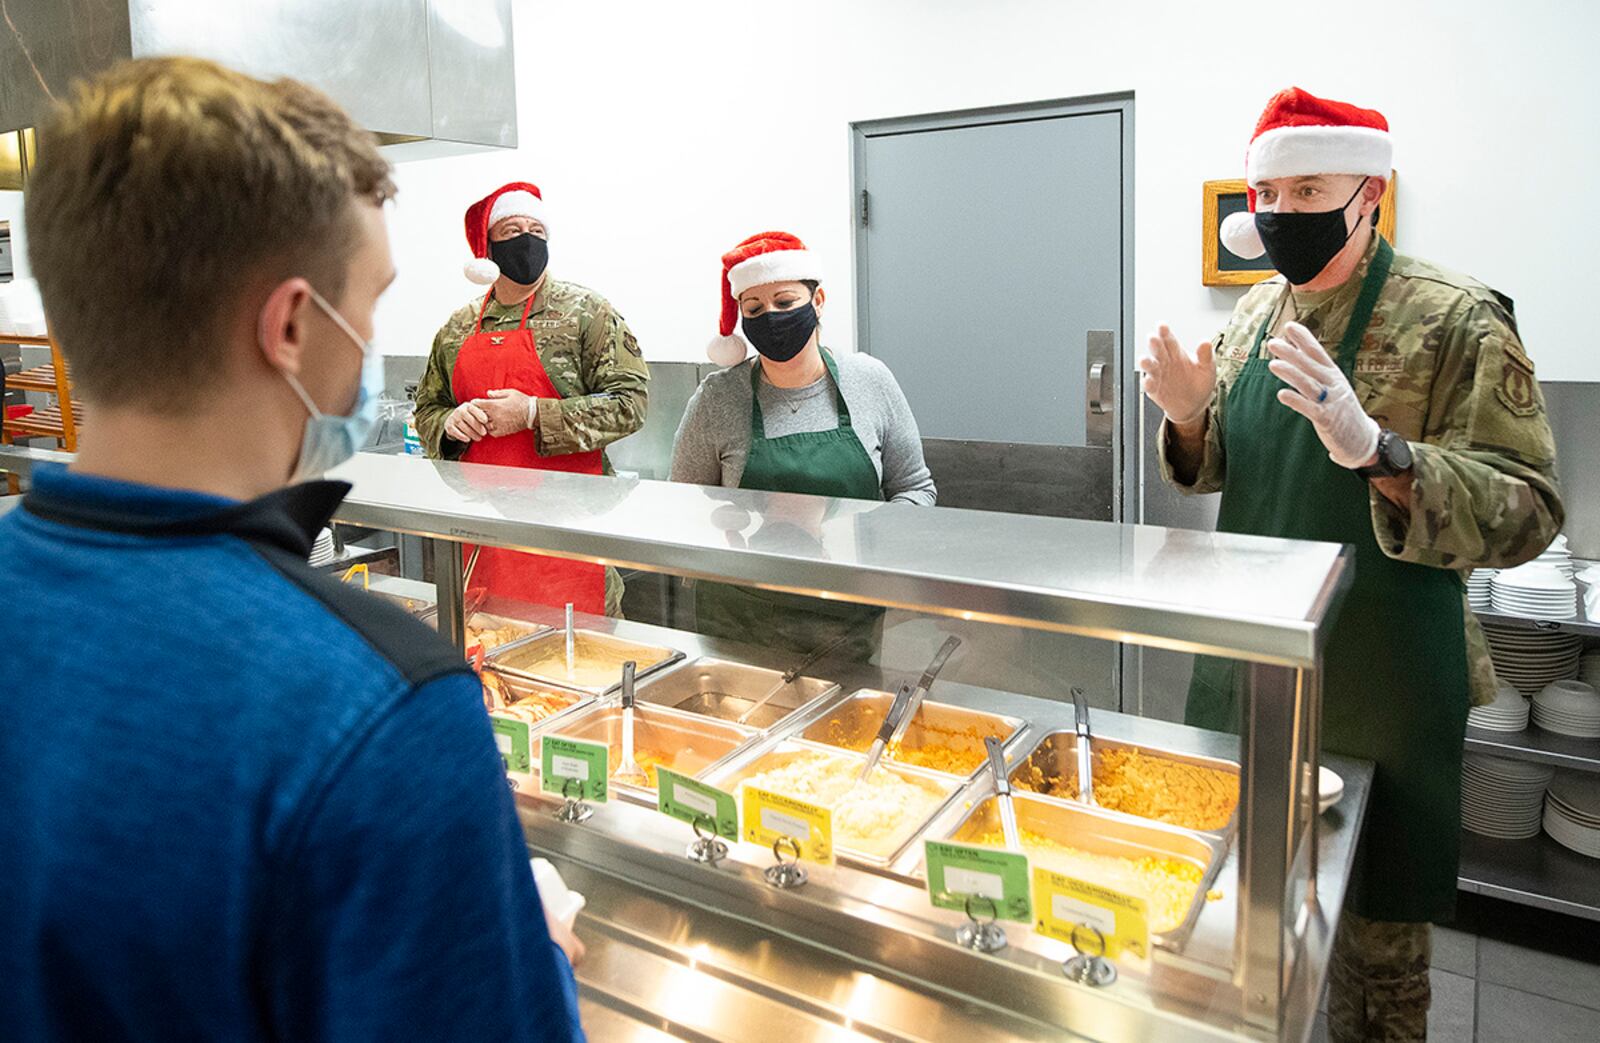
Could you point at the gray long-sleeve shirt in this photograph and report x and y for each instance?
(713, 441)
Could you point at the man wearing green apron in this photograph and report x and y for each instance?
(1367, 398)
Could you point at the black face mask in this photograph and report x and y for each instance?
(1301, 245)
(522, 259)
(781, 335)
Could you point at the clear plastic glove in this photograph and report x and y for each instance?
(467, 423)
(1180, 385)
(1319, 392)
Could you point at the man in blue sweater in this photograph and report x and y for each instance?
(237, 801)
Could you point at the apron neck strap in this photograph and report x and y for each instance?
(1360, 316)
(527, 309)
(758, 426)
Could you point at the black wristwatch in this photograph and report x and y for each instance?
(1394, 457)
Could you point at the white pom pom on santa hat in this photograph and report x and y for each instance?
(727, 351)
(1239, 235)
(763, 258)
(1300, 134)
(514, 199)
(481, 270)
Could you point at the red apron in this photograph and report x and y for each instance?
(509, 359)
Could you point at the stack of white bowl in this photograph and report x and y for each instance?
(1572, 812)
(1558, 557)
(1502, 798)
(1535, 590)
(1568, 708)
(322, 551)
(1529, 659)
(1508, 713)
(1479, 595)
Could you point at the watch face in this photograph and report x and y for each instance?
(1396, 453)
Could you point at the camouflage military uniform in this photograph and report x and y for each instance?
(590, 356)
(1442, 366)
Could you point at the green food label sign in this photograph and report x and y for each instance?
(959, 872)
(689, 801)
(512, 739)
(574, 768)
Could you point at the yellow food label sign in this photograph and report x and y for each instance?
(1066, 909)
(769, 816)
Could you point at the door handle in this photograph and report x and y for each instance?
(1099, 393)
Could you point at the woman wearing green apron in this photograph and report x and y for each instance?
(793, 419)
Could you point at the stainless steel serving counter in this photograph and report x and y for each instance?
(707, 952)
(1254, 962)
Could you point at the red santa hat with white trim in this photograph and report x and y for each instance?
(1301, 134)
(763, 258)
(516, 199)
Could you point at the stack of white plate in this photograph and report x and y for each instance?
(1478, 589)
(1568, 708)
(1530, 659)
(322, 551)
(1508, 712)
(1502, 798)
(1572, 813)
(1558, 557)
(1535, 590)
(1589, 669)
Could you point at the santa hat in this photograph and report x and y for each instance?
(1298, 135)
(763, 258)
(517, 199)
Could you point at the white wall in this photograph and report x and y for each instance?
(11, 211)
(663, 133)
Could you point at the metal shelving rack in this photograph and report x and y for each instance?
(1537, 872)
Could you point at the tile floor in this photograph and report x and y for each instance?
(1503, 973)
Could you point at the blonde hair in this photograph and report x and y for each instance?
(166, 189)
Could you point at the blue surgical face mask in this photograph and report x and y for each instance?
(331, 440)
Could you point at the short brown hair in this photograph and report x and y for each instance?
(164, 190)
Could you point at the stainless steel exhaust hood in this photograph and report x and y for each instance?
(430, 77)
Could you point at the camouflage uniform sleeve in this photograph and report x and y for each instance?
(1484, 492)
(435, 400)
(1208, 475)
(615, 382)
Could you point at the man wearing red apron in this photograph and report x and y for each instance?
(537, 373)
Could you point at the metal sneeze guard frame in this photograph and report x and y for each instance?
(1178, 589)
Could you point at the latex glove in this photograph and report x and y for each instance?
(466, 423)
(1319, 392)
(1180, 385)
(508, 409)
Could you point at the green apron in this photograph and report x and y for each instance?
(822, 463)
(1395, 676)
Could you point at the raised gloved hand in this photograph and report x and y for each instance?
(467, 423)
(1319, 392)
(1180, 385)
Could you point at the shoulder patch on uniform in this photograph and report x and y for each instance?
(1517, 390)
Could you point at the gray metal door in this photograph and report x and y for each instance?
(993, 276)
(992, 261)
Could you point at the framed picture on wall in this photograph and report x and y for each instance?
(1220, 266)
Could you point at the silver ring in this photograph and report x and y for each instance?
(1324, 396)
